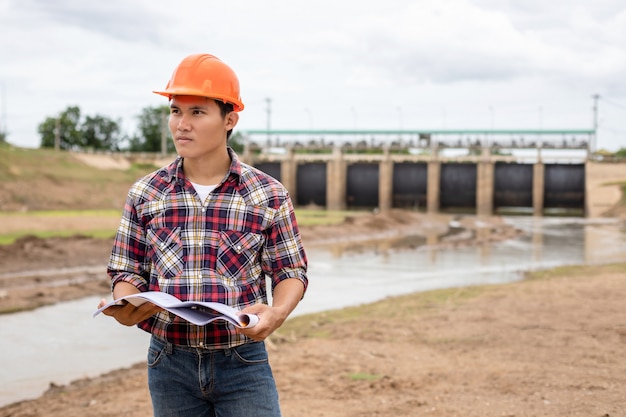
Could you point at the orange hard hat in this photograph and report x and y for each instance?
(204, 75)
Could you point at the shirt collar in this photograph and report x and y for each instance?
(175, 169)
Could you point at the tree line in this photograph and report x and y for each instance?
(70, 130)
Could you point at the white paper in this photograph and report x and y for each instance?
(196, 312)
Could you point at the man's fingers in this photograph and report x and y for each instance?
(111, 311)
(147, 309)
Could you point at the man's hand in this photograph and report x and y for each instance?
(270, 319)
(129, 315)
(287, 294)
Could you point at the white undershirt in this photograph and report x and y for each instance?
(203, 190)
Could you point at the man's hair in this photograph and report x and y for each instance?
(225, 108)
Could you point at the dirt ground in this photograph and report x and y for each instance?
(541, 347)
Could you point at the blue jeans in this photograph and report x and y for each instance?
(191, 382)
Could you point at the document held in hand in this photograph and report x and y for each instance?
(196, 312)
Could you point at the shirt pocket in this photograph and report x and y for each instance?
(238, 255)
(167, 251)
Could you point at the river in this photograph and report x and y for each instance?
(62, 343)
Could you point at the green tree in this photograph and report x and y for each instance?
(66, 126)
(152, 121)
(621, 153)
(99, 132)
(236, 141)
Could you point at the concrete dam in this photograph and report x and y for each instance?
(481, 187)
(483, 182)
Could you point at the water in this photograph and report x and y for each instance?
(59, 344)
(62, 343)
(357, 278)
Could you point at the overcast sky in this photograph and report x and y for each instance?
(393, 64)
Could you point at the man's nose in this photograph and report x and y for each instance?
(183, 123)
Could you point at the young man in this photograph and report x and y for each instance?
(208, 227)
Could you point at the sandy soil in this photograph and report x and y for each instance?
(542, 347)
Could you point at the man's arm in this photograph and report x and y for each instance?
(286, 296)
(128, 265)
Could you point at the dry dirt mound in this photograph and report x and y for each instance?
(36, 272)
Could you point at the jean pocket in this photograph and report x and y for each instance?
(251, 354)
(238, 254)
(156, 352)
(167, 251)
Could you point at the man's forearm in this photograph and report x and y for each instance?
(122, 289)
(286, 296)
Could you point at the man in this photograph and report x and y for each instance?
(208, 228)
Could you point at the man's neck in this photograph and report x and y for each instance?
(207, 171)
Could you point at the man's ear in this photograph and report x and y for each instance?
(231, 120)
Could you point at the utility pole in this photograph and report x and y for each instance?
(308, 112)
(268, 101)
(594, 140)
(4, 130)
(163, 133)
(57, 134)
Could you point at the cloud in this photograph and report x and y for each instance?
(434, 59)
(131, 21)
(457, 41)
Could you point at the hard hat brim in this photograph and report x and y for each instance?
(237, 106)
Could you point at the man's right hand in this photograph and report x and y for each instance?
(129, 315)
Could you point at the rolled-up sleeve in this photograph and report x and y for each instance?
(129, 261)
(283, 256)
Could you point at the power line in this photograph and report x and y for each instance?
(268, 110)
(3, 123)
(594, 139)
(613, 130)
(612, 103)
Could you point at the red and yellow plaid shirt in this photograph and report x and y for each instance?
(219, 250)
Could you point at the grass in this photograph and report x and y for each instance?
(60, 213)
(574, 271)
(306, 217)
(8, 238)
(320, 325)
(56, 231)
(22, 164)
(316, 217)
(360, 376)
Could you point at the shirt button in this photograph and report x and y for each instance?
(201, 345)
(239, 248)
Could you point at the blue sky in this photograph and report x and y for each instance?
(397, 64)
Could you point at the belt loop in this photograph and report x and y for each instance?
(169, 348)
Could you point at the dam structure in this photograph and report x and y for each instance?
(484, 172)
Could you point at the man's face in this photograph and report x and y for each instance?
(197, 126)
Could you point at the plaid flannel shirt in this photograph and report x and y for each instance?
(219, 250)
